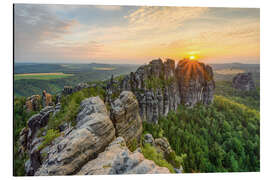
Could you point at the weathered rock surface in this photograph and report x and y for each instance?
(196, 82)
(117, 159)
(69, 89)
(46, 99)
(38, 121)
(160, 87)
(163, 146)
(33, 103)
(80, 86)
(23, 140)
(126, 118)
(29, 140)
(244, 82)
(93, 132)
(148, 138)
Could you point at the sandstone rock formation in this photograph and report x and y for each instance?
(69, 89)
(93, 132)
(196, 82)
(38, 121)
(160, 86)
(163, 146)
(31, 142)
(148, 138)
(244, 82)
(46, 99)
(33, 103)
(126, 118)
(88, 148)
(117, 159)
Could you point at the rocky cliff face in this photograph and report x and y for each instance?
(46, 99)
(244, 82)
(160, 86)
(33, 103)
(89, 147)
(196, 82)
(93, 132)
(126, 118)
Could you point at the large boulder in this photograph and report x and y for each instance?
(196, 82)
(93, 132)
(117, 159)
(126, 118)
(244, 82)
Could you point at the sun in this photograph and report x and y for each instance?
(192, 57)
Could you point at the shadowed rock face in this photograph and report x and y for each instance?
(160, 87)
(244, 82)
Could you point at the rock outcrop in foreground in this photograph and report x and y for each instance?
(160, 86)
(90, 146)
(244, 82)
(117, 159)
(93, 132)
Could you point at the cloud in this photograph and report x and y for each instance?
(33, 26)
(108, 7)
(162, 18)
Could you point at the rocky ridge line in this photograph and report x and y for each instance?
(160, 86)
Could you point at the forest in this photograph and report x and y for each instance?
(223, 137)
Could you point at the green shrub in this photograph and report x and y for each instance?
(49, 137)
(133, 145)
(70, 105)
(151, 153)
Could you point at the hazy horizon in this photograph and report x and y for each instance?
(83, 34)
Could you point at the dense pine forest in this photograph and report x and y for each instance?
(224, 137)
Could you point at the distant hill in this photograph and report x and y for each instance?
(81, 73)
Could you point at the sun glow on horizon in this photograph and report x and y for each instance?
(192, 57)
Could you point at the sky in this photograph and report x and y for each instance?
(134, 34)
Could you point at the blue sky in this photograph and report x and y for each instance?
(135, 34)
